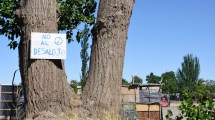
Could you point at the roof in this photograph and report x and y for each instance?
(134, 86)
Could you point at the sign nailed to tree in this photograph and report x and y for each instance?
(48, 46)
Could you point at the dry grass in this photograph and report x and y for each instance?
(76, 115)
(82, 115)
(110, 116)
(105, 115)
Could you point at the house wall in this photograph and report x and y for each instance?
(148, 111)
(128, 95)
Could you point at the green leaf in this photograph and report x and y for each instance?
(78, 36)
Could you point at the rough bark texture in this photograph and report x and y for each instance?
(44, 81)
(102, 90)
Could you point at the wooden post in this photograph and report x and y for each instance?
(148, 103)
(135, 99)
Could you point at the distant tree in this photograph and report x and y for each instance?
(169, 82)
(188, 75)
(151, 78)
(125, 82)
(74, 85)
(84, 55)
(137, 79)
(200, 89)
(210, 86)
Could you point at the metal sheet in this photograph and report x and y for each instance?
(8, 88)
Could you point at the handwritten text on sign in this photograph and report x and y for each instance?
(48, 46)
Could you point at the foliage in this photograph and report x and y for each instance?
(71, 13)
(84, 56)
(74, 85)
(9, 22)
(125, 82)
(188, 75)
(203, 110)
(151, 78)
(137, 80)
(193, 87)
(200, 89)
(210, 86)
(169, 114)
(169, 83)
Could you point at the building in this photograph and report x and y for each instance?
(8, 101)
(141, 101)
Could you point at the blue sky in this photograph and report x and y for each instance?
(161, 32)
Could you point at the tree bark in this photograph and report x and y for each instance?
(102, 90)
(44, 81)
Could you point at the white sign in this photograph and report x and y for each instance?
(48, 46)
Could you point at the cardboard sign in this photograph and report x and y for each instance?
(48, 46)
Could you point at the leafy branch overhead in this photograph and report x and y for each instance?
(9, 23)
(74, 12)
(71, 13)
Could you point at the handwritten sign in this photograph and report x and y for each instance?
(48, 46)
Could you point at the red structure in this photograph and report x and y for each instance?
(164, 102)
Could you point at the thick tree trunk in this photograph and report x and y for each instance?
(44, 81)
(102, 90)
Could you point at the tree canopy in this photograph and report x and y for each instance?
(210, 85)
(125, 82)
(71, 13)
(137, 80)
(151, 78)
(188, 75)
(9, 22)
(84, 55)
(169, 82)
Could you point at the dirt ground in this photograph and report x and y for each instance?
(77, 114)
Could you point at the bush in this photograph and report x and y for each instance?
(203, 110)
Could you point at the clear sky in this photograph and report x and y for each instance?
(161, 32)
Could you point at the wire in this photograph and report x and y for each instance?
(13, 96)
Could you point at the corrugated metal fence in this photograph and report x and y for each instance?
(8, 101)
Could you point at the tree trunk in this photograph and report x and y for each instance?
(102, 90)
(44, 81)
